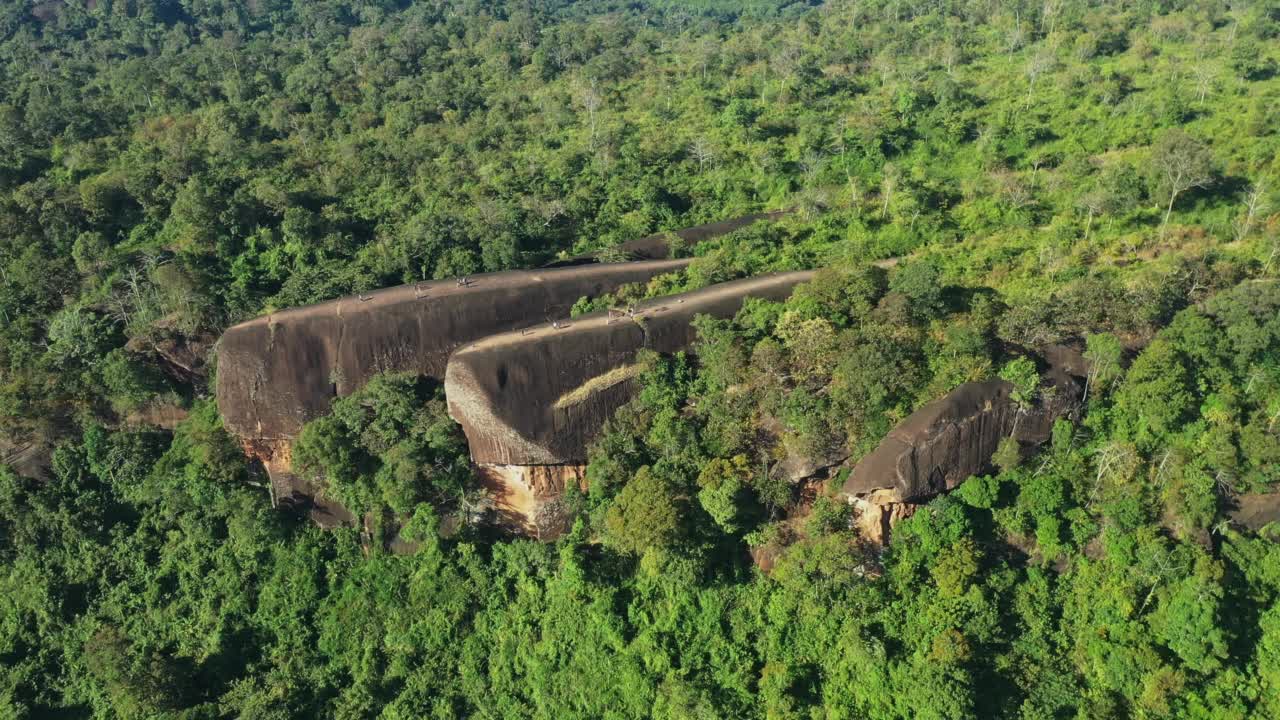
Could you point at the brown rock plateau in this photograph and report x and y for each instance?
(531, 401)
(281, 370)
(1256, 511)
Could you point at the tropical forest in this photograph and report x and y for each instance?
(821, 359)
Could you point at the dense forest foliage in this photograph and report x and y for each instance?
(1039, 171)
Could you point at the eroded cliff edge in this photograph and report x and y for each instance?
(278, 371)
(531, 401)
(944, 442)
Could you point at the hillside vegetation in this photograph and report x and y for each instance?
(1042, 171)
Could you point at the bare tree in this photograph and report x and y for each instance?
(888, 184)
(1115, 462)
(589, 97)
(706, 52)
(1181, 162)
(951, 54)
(1255, 204)
(1093, 203)
(475, 506)
(702, 151)
(1049, 15)
(1014, 35)
(786, 64)
(887, 66)
(840, 146)
(1013, 189)
(1039, 64)
(811, 164)
(1204, 74)
(547, 210)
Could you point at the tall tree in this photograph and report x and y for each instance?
(1180, 163)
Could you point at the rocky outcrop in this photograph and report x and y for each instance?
(531, 401)
(30, 457)
(281, 370)
(539, 396)
(946, 441)
(875, 517)
(1255, 511)
(658, 245)
(278, 371)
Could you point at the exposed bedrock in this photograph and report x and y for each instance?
(529, 498)
(278, 371)
(949, 439)
(539, 396)
(531, 401)
(281, 370)
(658, 245)
(1255, 511)
(944, 442)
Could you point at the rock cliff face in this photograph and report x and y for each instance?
(278, 371)
(658, 246)
(529, 498)
(538, 396)
(531, 401)
(946, 441)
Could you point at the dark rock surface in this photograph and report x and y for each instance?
(1256, 511)
(28, 458)
(947, 440)
(658, 245)
(183, 357)
(539, 396)
(278, 371)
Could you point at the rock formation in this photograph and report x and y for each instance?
(28, 457)
(1255, 511)
(946, 441)
(278, 371)
(539, 396)
(658, 245)
(281, 370)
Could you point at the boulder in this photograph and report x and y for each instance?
(1255, 511)
(938, 446)
(28, 457)
(944, 442)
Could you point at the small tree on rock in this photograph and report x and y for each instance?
(1022, 374)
